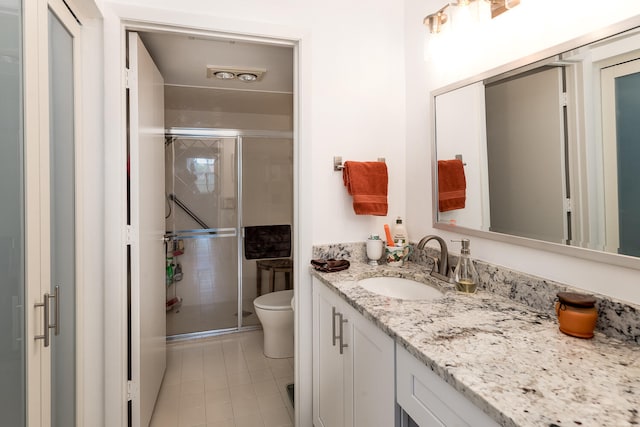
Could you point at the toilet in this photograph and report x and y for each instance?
(276, 315)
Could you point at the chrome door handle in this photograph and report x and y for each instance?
(45, 327)
(342, 322)
(56, 311)
(333, 325)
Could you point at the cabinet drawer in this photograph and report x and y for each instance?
(429, 400)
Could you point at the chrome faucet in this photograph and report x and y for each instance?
(440, 268)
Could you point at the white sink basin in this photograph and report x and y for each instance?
(398, 287)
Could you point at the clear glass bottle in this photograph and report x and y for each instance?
(465, 274)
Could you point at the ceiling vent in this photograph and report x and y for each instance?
(235, 73)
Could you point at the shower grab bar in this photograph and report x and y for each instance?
(188, 211)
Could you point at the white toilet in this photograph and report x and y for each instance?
(276, 315)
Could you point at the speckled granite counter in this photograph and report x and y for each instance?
(509, 360)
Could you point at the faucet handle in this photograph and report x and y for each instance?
(436, 262)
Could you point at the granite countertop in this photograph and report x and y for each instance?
(506, 358)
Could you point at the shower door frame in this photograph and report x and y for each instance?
(238, 134)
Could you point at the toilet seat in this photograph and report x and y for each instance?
(275, 301)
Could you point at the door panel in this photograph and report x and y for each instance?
(267, 199)
(329, 396)
(37, 233)
(148, 327)
(628, 142)
(202, 185)
(526, 179)
(12, 283)
(373, 374)
(62, 208)
(620, 128)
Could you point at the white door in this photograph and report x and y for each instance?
(146, 135)
(620, 86)
(38, 238)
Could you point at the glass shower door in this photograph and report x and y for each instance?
(202, 194)
(267, 202)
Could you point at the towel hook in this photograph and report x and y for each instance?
(338, 166)
(459, 157)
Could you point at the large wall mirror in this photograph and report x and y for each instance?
(551, 150)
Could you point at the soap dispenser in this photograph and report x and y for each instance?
(400, 237)
(465, 274)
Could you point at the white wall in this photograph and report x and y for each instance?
(529, 28)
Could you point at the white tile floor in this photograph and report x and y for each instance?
(224, 381)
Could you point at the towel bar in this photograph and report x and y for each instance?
(459, 157)
(338, 166)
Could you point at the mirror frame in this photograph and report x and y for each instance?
(573, 251)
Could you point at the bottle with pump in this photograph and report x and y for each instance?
(465, 274)
(400, 236)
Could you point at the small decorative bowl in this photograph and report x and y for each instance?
(577, 314)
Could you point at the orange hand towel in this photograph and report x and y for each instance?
(452, 185)
(367, 183)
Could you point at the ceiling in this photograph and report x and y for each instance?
(182, 60)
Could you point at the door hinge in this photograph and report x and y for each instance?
(127, 74)
(564, 99)
(128, 235)
(568, 206)
(132, 390)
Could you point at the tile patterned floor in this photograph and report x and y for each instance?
(224, 381)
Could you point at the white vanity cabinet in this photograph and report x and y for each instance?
(429, 400)
(353, 366)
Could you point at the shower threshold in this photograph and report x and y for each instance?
(209, 334)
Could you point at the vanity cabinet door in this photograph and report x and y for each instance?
(355, 386)
(328, 363)
(373, 374)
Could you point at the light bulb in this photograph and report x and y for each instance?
(225, 75)
(247, 77)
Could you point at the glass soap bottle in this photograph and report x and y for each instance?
(465, 274)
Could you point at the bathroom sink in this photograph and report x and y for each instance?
(401, 288)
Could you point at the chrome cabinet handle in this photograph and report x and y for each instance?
(45, 327)
(56, 310)
(333, 325)
(342, 322)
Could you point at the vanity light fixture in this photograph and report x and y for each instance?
(437, 20)
(247, 75)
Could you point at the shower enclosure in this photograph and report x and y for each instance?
(218, 182)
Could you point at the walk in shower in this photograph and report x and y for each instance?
(218, 183)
